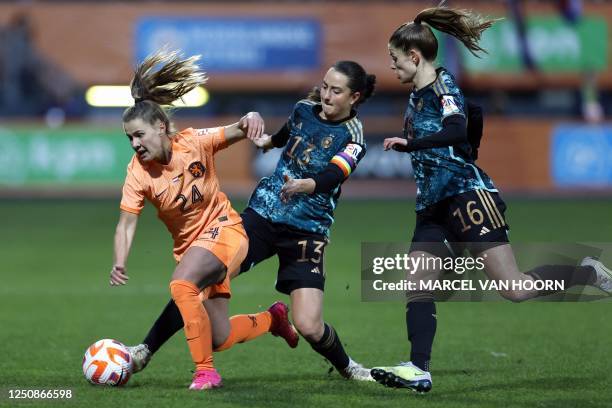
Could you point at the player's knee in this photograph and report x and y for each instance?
(310, 329)
(182, 291)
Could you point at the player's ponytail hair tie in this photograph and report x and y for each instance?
(137, 100)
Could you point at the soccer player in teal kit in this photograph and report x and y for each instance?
(457, 205)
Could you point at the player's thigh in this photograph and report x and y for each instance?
(477, 219)
(426, 266)
(431, 243)
(301, 261)
(431, 234)
(262, 235)
(230, 245)
(199, 266)
(239, 252)
(500, 263)
(211, 254)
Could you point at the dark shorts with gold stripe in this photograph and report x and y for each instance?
(300, 253)
(473, 220)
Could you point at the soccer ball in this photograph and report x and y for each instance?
(107, 362)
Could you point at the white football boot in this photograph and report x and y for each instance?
(140, 355)
(604, 275)
(355, 371)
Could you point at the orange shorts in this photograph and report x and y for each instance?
(230, 244)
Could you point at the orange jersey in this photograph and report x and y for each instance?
(185, 191)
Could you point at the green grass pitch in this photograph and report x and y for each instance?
(55, 301)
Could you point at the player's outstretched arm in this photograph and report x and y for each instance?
(124, 235)
(250, 126)
(454, 131)
(267, 142)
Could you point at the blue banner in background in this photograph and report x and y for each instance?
(581, 156)
(230, 44)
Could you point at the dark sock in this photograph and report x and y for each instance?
(568, 274)
(167, 324)
(421, 325)
(330, 347)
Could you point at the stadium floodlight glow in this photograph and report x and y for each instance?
(194, 98)
(109, 96)
(119, 96)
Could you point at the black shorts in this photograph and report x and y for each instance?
(472, 221)
(300, 253)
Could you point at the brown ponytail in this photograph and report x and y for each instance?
(152, 87)
(465, 25)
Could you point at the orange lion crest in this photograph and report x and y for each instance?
(197, 169)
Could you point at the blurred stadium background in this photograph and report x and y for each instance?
(546, 88)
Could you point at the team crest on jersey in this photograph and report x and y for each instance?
(326, 142)
(197, 169)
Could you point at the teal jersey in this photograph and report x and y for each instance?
(313, 143)
(443, 171)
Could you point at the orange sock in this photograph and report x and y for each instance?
(246, 327)
(197, 323)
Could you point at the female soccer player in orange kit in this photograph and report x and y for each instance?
(175, 171)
